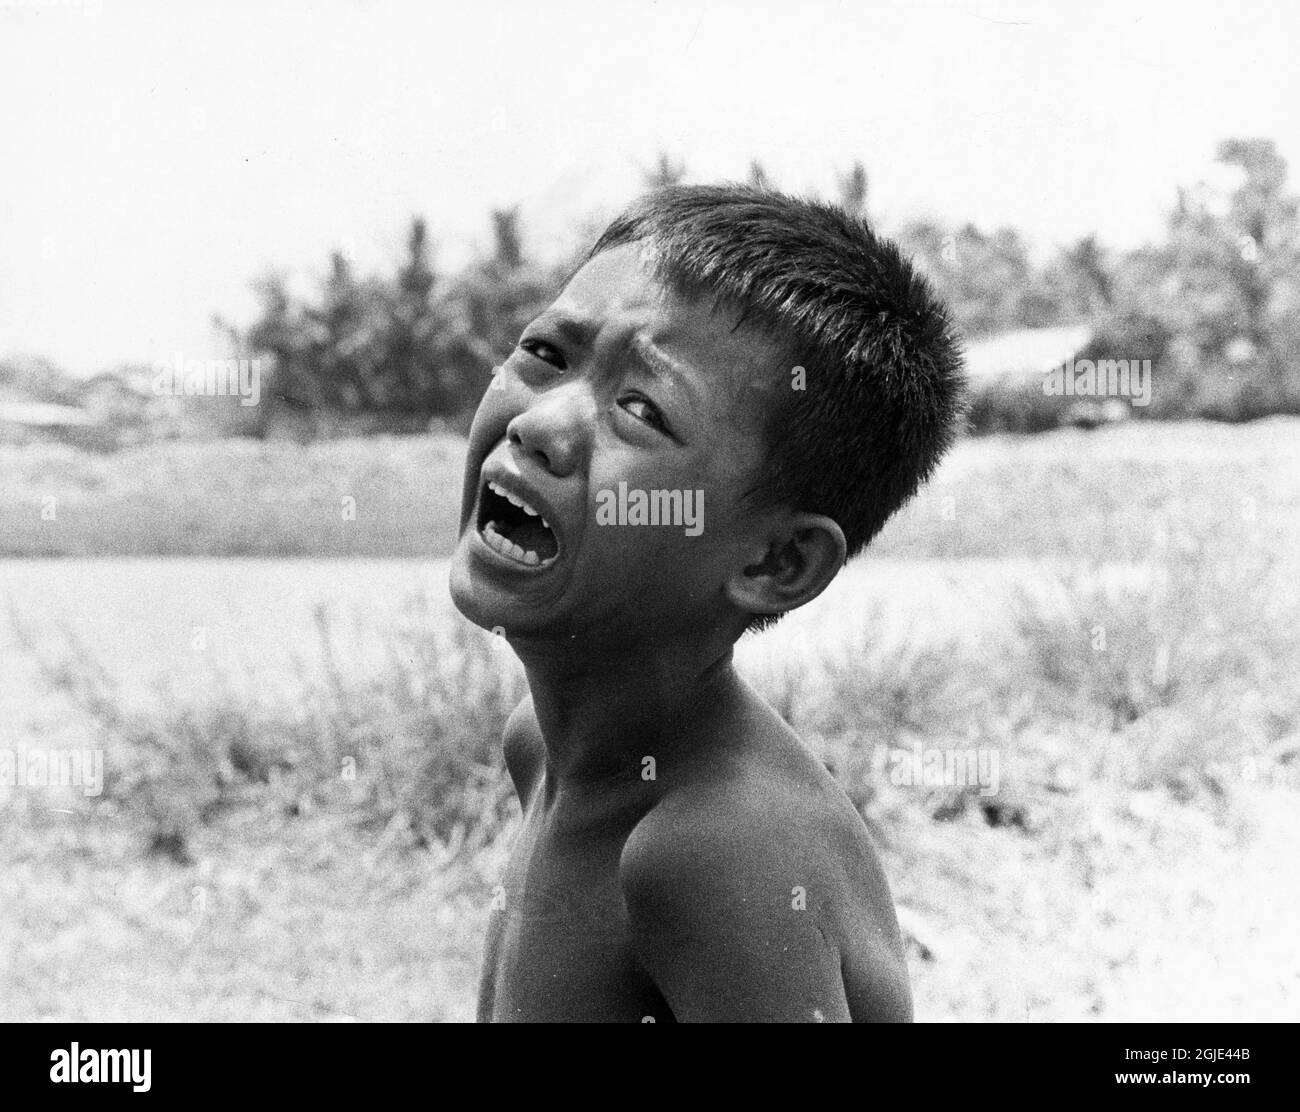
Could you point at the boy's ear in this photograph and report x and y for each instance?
(802, 557)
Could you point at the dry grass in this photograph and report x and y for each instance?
(232, 497)
(341, 844)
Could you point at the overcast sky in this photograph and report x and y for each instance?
(155, 158)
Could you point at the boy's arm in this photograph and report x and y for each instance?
(729, 924)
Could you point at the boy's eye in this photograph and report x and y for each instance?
(540, 349)
(644, 410)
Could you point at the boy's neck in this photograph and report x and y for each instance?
(601, 713)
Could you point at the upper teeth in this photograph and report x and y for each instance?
(514, 500)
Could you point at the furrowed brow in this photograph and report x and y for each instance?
(580, 333)
(657, 363)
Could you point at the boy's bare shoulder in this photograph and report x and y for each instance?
(754, 891)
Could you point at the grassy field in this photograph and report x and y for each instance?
(389, 496)
(1124, 493)
(1112, 615)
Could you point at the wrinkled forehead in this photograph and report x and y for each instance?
(621, 295)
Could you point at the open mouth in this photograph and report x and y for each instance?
(513, 529)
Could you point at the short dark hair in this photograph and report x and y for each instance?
(884, 386)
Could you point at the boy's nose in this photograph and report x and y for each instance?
(552, 429)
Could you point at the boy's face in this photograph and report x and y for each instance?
(620, 380)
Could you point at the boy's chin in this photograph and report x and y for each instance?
(487, 603)
(502, 604)
(475, 599)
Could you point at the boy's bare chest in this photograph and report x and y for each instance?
(558, 945)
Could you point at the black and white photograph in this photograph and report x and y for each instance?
(653, 511)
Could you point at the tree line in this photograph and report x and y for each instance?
(1215, 305)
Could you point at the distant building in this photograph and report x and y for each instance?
(1024, 352)
(22, 422)
(39, 403)
(1007, 372)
